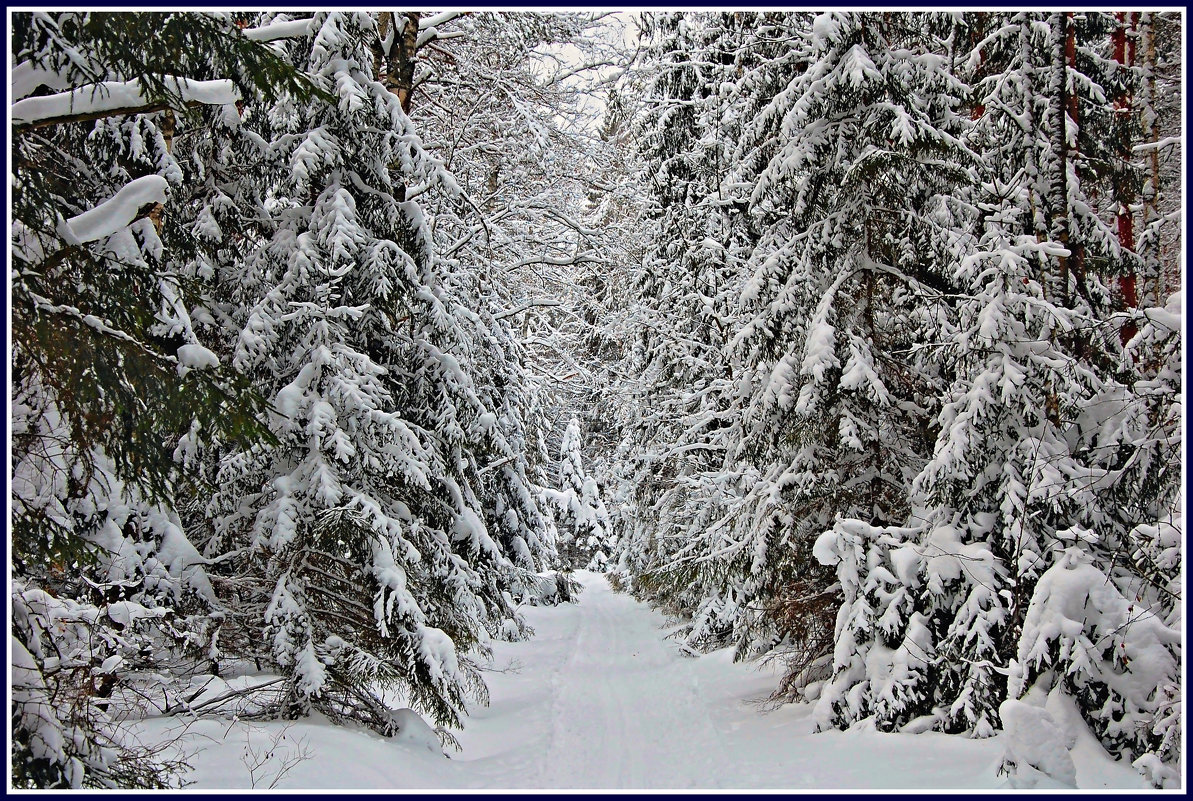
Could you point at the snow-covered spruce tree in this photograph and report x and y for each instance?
(684, 296)
(1030, 557)
(853, 162)
(587, 536)
(526, 156)
(513, 237)
(483, 233)
(109, 377)
(617, 209)
(363, 531)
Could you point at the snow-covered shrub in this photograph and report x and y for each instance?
(1036, 747)
(70, 661)
(547, 589)
(884, 646)
(1116, 656)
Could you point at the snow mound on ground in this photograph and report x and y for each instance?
(1037, 747)
(412, 730)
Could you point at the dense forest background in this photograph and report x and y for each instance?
(851, 340)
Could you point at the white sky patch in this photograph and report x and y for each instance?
(590, 71)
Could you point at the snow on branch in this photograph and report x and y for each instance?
(430, 22)
(98, 325)
(494, 465)
(27, 77)
(525, 307)
(1168, 141)
(111, 98)
(433, 35)
(290, 29)
(116, 212)
(557, 262)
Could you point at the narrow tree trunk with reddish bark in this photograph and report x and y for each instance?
(1124, 194)
(394, 57)
(1060, 111)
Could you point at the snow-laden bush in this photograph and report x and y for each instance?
(71, 662)
(1115, 655)
(1036, 748)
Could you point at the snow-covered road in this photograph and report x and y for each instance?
(600, 699)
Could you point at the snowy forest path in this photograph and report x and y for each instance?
(619, 701)
(599, 698)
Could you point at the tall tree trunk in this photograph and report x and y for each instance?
(1059, 190)
(977, 32)
(397, 53)
(1151, 195)
(1124, 190)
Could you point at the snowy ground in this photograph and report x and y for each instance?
(598, 699)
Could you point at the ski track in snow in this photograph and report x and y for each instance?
(618, 702)
(600, 699)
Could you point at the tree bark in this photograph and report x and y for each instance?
(397, 59)
(1059, 190)
(1151, 197)
(394, 57)
(1124, 194)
